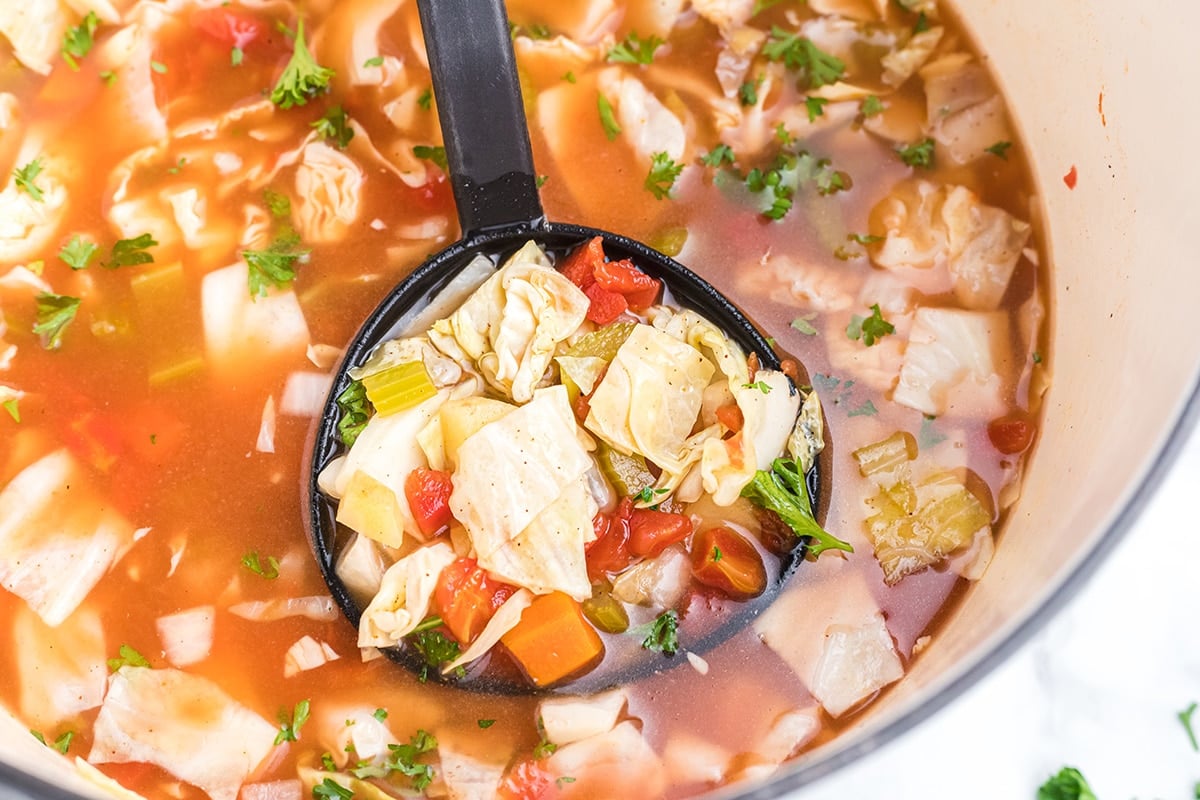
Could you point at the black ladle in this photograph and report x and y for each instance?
(495, 188)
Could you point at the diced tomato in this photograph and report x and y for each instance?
(96, 439)
(580, 266)
(651, 531)
(229, 26)
(466, 598)
(428, 494)
(730, 416)
(527, 780)
(638, 288)
(609, 551)
(728, 562)
(153, 433)
(1010, 435)
(606, 306)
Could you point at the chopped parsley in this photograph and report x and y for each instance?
(12, 406)
(869, 329)
(720, 154)
(634, 50)
(541, 180)
(535, 31)
(922, 23)
(158, 67)
(871, 106)
(664, 634)
(435, 154)
(762, 5)
(109, 77)
(804, 324)
(289, 728)
(178, 166)
(762, 386)
(374, 61)
(544, 747)
(817, 68)
(77, 41)
(327, 762)
(253, 562)
(815, 106)
(54, 313)
(781, 489)
(275, 266)
(716, 554)
(356, 410)
(1037, 357)
(1185, 719)
(278, 204)
(647, 494)
(607, 118)
(437, 649)
(748, 92)
(919, 154)
(867, 409)
(236, 56)
(485, 723)
(303, 78)
(127, 657)
(78, 252)
(1068, 784)
(662, 175)
(329, 789)
(569, 77)
(335, 127)
(425, 99)
(999, 150)
(403, 759)
(25, 178)
(929, 436)
(783, 136)
(380, 714)
(61, 744)
(562, 780)
(131, 252)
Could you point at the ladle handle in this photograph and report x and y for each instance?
(482, 115)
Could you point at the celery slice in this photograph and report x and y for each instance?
(602, 342)
(399, 388)
(669, 241)
(629, 475)
(606, 612)
(886, 455)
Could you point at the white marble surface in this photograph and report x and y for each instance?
(1097, 688)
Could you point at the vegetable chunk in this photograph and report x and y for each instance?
(553, 640)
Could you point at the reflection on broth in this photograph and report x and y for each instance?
(206, 199)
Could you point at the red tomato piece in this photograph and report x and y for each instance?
(229, 26)
(96, 439)
(609, 551)
(428, 494)
(639, 289)
(466, 598)
(527, 780)
(606, 306)
(580, 266)
(651, 531)
(726, 561)
(1010, 435)
(730, 416)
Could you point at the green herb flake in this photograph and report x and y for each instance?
(716, 554)
(662, 175)
(871, 106)
(356, 410)
(748, 92)
(664, 634)
(563, 780)
(253, 562)
(762, 5)
(1185, 719)
(634, 50)
(867, 409)
(919, 154)
(236, 56)
(864, 238)
(425, 99)
(544, 747)
(109, 77)
(329, 789)
(158, 67)
(815, 106)
(403, 759)
(436, 154)
(648, 494)
(762, 386)
(289, 727)
(327, 762)
(607, 118)
(541, 180)
(721, 154)
(929, 436)
(54, 313)
(278, 204)
(179, 165)
(869, 329)
(127, 657)
(817, 68)
(782, 489)
(999, 150)
(804, 324)
(1067, 784)
(374, 61)
(1037, 357)
(437, 649)
(485, 723)
(335, 126)
(77, 252)
(131, 252)
(922, 23)
(275, 266)
(380, 714)
(25, 178)
(13, 409)
(303, 78)
(569, 77)
(61, 744)
(77, 42)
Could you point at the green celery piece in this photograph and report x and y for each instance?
(602, 342)
(399, 388)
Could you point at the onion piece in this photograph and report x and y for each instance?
(305, 654)
(304, 394)
(266, 429)
(317, 607)
(187, 636)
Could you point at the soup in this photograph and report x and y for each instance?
(176, 292)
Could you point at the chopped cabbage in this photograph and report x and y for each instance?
(360, 568)
(571, 719)
(951, 364)
(28, 227)
(725, 14)
(187, 636)
(790, 731)
(858, 661)
(468, 778)
(618, 763)
(61, 671)
(183, 723)
(648, 125)
(899, 65)
(404, 596)
(328, 194)
(35, 29)
(307, 653)
(510, 326)
(241, 331)
(319, 608)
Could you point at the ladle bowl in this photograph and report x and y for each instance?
(490, 165)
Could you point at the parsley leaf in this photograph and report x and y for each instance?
(54, 314)
(804, 324)
(607, 118)
(403, 759)
(253, 562)
(929, 436)
(356, 410)
(817, 67)
(870, 329)
(329, 789)
(327, 762)
(303, 78)
(131, 252)
(999, 150)
(867, 409)
(127, 657)
(278, 204)
(634, 50)
(562, 780)
(109, 77)
(662, 175)
(374, 61)
(275, 266)
(485, 723)
(61, 744)
(435, 154)
(425, 99)
(380, 714)
(871, 106)
(748, 92)
(236, 56)
(334, 126)
(647, 494)
(1068, 784)
(25, 176)
(815, 107)
(716, 554)
(919, 154)
(782, 489)
(544, 747)
(1185, 719)
(762, 386)
(664, 634)
(289, 729)
(718, 155)
(437, 649)
(158, 67)
(762, 5)
(78, 252)
(77, 42)
(12, 406)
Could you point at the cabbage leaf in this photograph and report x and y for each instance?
(404, 596)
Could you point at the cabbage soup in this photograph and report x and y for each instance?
(559, 471)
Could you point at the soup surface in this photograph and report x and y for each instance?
(205, 199)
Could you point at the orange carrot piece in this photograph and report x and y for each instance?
(553, 640)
